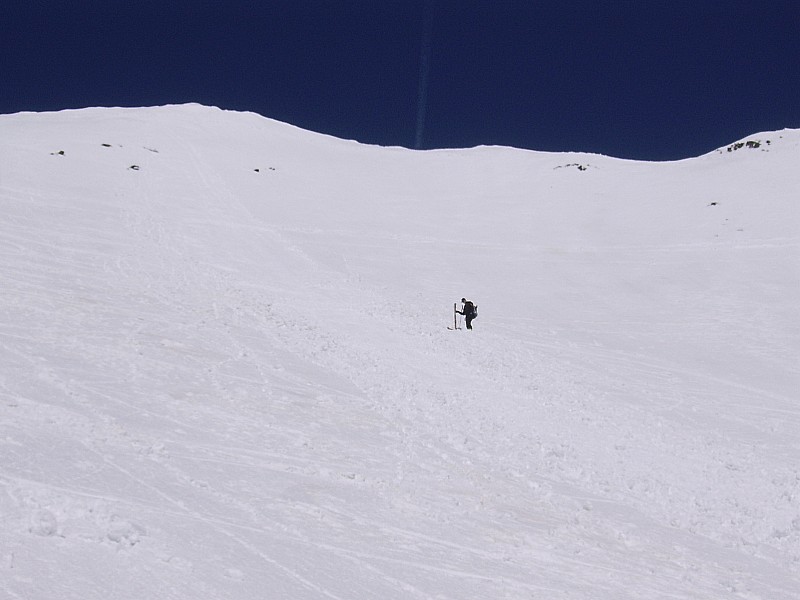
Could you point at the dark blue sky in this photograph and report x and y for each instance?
(645, 79)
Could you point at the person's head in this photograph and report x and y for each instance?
(463, 299)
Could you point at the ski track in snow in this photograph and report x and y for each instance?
(216, 385)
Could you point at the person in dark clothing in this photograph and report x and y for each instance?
(469, 312)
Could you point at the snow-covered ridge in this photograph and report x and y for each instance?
(226, 368)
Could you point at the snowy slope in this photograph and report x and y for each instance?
(225, 369)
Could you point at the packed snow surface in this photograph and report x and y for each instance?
(226, 370)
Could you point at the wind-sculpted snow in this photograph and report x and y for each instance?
(226, 369)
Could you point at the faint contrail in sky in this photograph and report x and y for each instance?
(424, 68)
